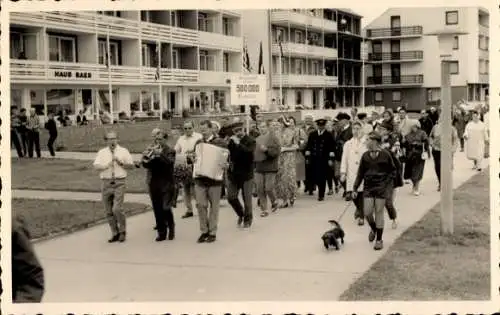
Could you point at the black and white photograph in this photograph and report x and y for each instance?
(162, 154)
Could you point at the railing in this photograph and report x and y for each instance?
(220, 41)
(35, 71)
(176, 35)
(284, 16)
(396, 80)
(305, 80)
(390, 56)
(395, 31)
(308, 50)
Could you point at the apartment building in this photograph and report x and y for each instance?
(320, 55)
(58, 60)
(403, 66)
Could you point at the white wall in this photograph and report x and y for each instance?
(131, 52)
(87, 48)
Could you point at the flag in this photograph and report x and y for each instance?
(158, 61)
(280, 43)
(246, 60)
(261, 61)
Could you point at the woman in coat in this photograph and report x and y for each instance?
(351, 155)
(476, 137)
(417, 151)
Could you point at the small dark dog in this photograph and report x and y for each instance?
(331, 237)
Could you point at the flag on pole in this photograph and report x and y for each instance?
(107, 62)
(158, 61)
(261, 61)
(280, 43)
(246, 59)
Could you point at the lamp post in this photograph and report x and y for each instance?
(445, 40)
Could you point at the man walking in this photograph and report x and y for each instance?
(185, 146)
(111, 161)
(23, 132)
(15, 124)
(159, 161)
(33, 127)
(51, 126)
(240, 174)
(208, 190)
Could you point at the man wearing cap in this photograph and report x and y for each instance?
(308, 127)
(344, 134)
(240, 174)
(377, 172)
(320, 155)
(162, 190)
(185, 146)
(112, 161)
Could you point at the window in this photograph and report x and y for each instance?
(451, 17)
(315, 69)
(227, 27)
(175, 59)
(205, 24)
(433, 95)
(25, 43)
(454, 69)
(299, 65)
(62, 48)
(280, 35)
(174, 18)
(396, 96)
(456, 43)
(146, 16)
(110, 13)
(58, 100)
(207, 61)
(135, 101)
(113, 47)
(226, 62)
(146, 57)
(379, 96)
(298, 97)
(299, 39)
(483, 42)
(487, 67)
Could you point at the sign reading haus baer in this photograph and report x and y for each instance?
(73, 75)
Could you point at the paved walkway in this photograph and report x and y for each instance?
(85, 156)
(280, 258)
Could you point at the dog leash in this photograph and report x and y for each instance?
(344, 212)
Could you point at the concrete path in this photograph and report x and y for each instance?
(85, 156)
(280, 258)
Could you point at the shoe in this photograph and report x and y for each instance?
(311, 192)
(321, 198)
(171, 233)
(115, 238)
(122, 237)
(292, 202)
(284, 205)
(361, 222)
(246, 225)
(416, 193)
(155, 228)
(394, 224)
(187, 215)
(330, 192)
(371, 236)
(264, 214)
(240, 221)
(210, 239)
(439, 188)
(161, 238)
(479, 169)
(274, 207)
(203, 237)
(378, 245)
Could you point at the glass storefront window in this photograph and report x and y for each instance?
(37, 101)
(156, 104)
(61, 100)
(16, 98)
(146, 101)
(135, 101)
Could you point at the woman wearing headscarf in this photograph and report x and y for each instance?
(286, 178)
(476, 137)
(417, 151)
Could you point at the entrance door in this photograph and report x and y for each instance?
(172, 101)
(395, 50)
(396, 25)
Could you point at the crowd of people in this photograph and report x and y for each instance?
(363, 157)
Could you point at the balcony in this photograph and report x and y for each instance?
(40, 72)
(393, 57)
(170, 34)
(395, 32)
(220, 41)
(391, 81)
(295, 19)
(300, 80)
(216, 78)
(304, 50)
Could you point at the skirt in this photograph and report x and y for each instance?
(414, 169)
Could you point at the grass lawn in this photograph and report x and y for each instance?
(422, 265)
(48, 217)
(73, 175)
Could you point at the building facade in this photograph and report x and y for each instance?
(59, 60)
(320, 54)
(403, 65)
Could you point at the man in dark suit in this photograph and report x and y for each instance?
(240, 173)
(319, 155)
(344, 134)
(159, 161)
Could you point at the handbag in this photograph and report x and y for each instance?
(425, 155)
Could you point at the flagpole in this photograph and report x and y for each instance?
(160, 92)
(110, 87)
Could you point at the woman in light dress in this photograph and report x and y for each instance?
(300, 161)
(286, 179)
(476, 137)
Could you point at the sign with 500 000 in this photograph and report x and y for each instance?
(248, 90)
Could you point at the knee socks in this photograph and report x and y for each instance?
(379, 233)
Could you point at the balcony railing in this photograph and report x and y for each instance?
(220, 41)
(215, 78)
(305, 50)
(285, 17)
(396, 80)
(408, 31)
(33, 71)
(397, 56)
(175, 35)
(305, 80)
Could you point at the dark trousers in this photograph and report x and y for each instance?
(309, 182)
(23, 134)
(329, 178)
(358, 202)
(321, 183)
(244, 211)
(462, 143)
(50, 144)
(436, 155)
(162, 210)
(389, 204)
(15, 140)
(34, 143)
